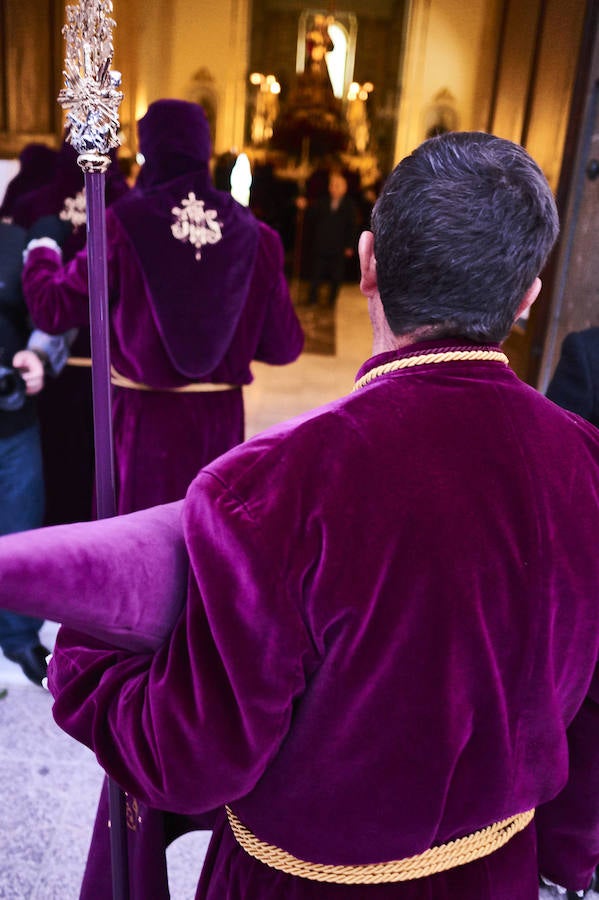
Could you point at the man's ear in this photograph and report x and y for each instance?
(529, 298)
(368, 283)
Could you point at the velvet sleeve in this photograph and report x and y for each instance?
(571, 386)
(281, 339)
(57, 295)
(196, 724)
(568, 826)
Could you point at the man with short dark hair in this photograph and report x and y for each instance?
(462, 229)
(386, 658)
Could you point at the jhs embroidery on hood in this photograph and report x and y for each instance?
(74, 210)
(195, 225)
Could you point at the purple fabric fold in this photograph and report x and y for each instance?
(204, 285)
(120, 580)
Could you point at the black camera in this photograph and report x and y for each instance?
(12, 389)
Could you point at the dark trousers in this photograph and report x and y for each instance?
(21, 508)
(326, 268)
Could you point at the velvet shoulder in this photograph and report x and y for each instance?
(299, 456)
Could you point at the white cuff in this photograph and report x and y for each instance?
(561, 891)
(54, 346)
(48, 242)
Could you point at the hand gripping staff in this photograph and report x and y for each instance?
(92, 97)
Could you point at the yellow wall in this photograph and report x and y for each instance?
(453, 45)
(170, 40)
(450, 46)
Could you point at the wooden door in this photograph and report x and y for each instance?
(30, 73)
(539, 47)
(575, 287)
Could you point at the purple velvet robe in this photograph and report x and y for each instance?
(37, 166)
(163, 438)
(390, 640)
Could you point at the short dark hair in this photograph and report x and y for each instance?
(461, 229)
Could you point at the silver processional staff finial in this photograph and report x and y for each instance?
(91, 89)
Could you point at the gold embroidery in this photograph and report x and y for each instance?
(131, 812)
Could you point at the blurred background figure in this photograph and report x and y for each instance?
(575, 383)
(58, 208)
(25, 355)
(37, 163)
(223, 168)
(331, 224)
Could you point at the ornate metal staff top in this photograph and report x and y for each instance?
(91, 87)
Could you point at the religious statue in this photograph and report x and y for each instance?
(312, 111)
(318, 44)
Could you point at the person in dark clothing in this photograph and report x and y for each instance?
(332, 222)
(26, 353)
(58, 208)
(575, 382)
(575, 386)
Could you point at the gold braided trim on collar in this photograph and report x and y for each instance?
(436, 859)
(193, 387)
(439, 357)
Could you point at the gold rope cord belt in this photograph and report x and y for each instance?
(81, 361)
(449, 356)
(195, 387)
(436, 859)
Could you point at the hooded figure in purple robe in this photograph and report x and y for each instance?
(196, 292)
(65, 408)
(37, 163)
(385, 656)
(62, 200)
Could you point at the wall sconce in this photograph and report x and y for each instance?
(357, 116)
(267, 106)
(359, 91)
(266, 83)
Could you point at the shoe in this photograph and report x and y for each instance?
(32, 661)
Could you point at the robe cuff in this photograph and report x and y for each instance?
(47, 242)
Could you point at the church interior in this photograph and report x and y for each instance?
(299, 89)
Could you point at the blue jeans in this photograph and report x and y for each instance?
(21, 508)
